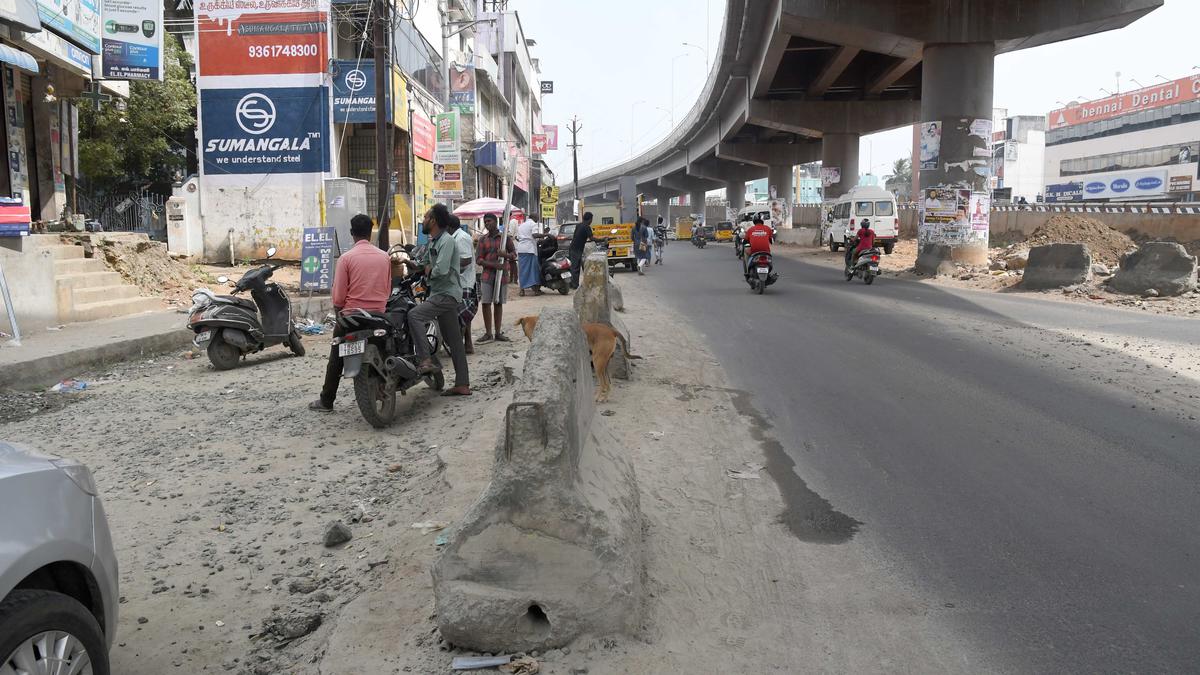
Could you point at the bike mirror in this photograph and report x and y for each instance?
(222, 279)
(271, 252)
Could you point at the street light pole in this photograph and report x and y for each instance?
(703, 50)
(681, 56)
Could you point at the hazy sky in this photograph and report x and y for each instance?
(605, 57)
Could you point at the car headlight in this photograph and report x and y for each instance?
(79, 475)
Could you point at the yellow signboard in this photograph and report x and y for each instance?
(548, 211)
(399, 99)
(549, 194)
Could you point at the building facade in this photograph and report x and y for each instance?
(1018, 157)
(1141, 145)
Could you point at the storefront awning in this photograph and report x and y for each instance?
(18, 58)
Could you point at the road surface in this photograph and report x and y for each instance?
(1039, 489)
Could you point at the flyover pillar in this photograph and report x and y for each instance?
(955, 139)
(735, 192)
(840, 151)
(628, 196)
(780, 180)
(696, 202)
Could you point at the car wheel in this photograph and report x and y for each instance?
(48, 632)
(887, 248)
(833, 246)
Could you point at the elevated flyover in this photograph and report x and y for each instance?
(795, 81)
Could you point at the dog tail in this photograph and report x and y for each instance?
(625, 346)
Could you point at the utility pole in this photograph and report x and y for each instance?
(383, 174)
(574, 129)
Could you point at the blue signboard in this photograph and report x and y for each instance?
(316, 258)
(1064, 192)
(265, 130)
(354, 92)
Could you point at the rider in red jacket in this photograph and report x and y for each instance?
(758, 237)
(865, 238)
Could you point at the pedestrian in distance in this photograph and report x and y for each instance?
(529, 271)
(495, 262)
(642, 244)
(466, 261)
(660, 240)
(582, 235)
(444, 274)
(361, 280)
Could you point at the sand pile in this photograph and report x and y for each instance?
(147, 265)
(1106, 244)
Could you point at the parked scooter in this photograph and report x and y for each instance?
(379, 355)
(866, 267)
(554, 264)
(760, 271)
(229, 327)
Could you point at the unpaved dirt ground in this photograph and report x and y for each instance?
(219, 487)
(900, 264)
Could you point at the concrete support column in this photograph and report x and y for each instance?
(735, 193)
(840, 151)
(696, 201)
(780, 182)
(627, 188)
(955, 148)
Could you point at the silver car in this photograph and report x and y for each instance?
(58, 572)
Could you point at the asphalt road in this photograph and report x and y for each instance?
(1045, 513)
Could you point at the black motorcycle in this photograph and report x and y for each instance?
(378, 352)
(229, 327)
(760, 271)
(554, 264)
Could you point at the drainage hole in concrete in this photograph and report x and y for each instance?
(536, 620)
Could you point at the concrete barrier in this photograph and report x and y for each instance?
(800, 236)
(593, 304)
(1162, 266)
(553, 548)
(935, 259)
(1056, 266)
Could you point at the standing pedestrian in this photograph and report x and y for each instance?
(495, 263)
(642, 244)
(445, 292)
(582, 235)
(361, 280)
(530, 271)
(465, 246)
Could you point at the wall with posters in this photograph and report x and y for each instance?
(265, 127)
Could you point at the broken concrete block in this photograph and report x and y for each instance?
(1160, 265)
(593, 305)
(934, 260)
(1057, 265)
(616, 300)
(553, 548)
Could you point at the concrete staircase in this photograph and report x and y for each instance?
(87, 290)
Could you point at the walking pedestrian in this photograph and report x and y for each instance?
(643, 248)
(465, 246)
(660, 240)
(530, 271)
(361, 280)
(445, 293)
(495, 263)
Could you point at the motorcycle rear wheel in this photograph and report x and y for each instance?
(295, 344)
(869, 278)
(849, 276)
(760, 287)
(376, 401)
(563, 288)
(223, 355)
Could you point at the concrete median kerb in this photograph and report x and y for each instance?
(1162, 266)
(934, 260)
(1057, 266)
(594, 304)
(552, 549)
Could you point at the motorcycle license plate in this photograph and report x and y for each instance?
(203, 336)
(764, 270)
(352, 348)
(566, 275)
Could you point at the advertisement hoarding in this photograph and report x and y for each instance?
(354, 92)
(462, 89)
(1124, 185)
(316, 258)
(1064, 192)
(77, 21)
(422, 136)
(447, 157)
(278, 43)
(265, 130)
(1168, 93)
(132, 42)
(551, 131)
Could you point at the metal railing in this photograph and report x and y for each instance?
(138, 210)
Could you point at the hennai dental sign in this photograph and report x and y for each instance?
(1178, 91)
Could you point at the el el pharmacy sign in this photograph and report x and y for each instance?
(1146, 98)
(1133, 184)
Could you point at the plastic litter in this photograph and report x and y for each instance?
(310, 327)
(430, 526)
(751, 472)
(478, 662)
(69, 386)
(441, 540)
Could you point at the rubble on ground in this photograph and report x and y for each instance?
(147, 265)
(1106, 244)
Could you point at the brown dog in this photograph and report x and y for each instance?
(602, 342)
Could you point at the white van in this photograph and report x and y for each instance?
(747, 215)
(865, 201)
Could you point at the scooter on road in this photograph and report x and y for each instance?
(866, 267)
(760, 271)
(228, 327)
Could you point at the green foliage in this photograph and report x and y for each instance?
(143, 143)
(900, 180)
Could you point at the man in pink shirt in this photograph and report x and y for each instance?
(362, 280)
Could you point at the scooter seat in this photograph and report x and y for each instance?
(235, 300)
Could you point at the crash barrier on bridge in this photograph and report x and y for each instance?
(553, 547)
(935, 259)
(1164, 267)
(1056, 266)
(594, 304)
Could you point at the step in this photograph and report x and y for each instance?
(107, 309)
(83, 296)
(78, 266)
(65, 251)
(69, 282)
